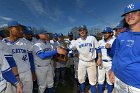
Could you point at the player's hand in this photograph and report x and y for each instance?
(111, 76)
(19, 88)
(61, 51)
(108, 45)
(99, 61)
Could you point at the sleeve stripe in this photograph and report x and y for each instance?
(8, 55)
(39, 52)
(6, 70)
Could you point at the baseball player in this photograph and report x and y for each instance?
(87, 47)
(75, 57)
(28, 34)
(119, 28)
(103, 70)
(126, 61)
(5, 70)
(43, 53)
(21, 48)
(70, 63)
(60, 68)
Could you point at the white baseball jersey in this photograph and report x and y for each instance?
(71, 59)
(107, 62)
(55, 44)
(4, 66)
(102, 44)
(86, 48)
(20, 50)
(38, 47)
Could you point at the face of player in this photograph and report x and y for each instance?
(118, 31)
(60, 38)
(70, 37)
(1, 37)
(55, 39)
(83, 33)
(107, 36)
(28, 37)
(43, 37)
(133, 18)
(16, 32)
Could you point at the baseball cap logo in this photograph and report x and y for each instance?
(131, 6)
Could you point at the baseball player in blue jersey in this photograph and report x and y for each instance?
(87, 47)
(21, 50)
(126, 60)
(6, 74)
(103, 70)
(43, 53)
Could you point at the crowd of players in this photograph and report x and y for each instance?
(109, 62)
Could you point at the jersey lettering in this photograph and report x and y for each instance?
(25, 58)
(18, 51)
(85, 44)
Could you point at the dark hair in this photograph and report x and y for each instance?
(125, 24)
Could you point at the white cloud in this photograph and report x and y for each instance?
(6, 18)
(35, 6)
(56, 14)
(3, 25)
(80, 3)
(71, 20)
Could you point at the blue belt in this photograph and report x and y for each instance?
(106, 60)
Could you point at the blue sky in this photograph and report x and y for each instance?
(62, 15)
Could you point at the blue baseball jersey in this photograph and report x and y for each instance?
(126, 61)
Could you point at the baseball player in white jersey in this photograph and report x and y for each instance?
(5, 70)
(20, 49)
(103, 70)
(43, 54)
(28, 34)
(70, 62)
(87, 47)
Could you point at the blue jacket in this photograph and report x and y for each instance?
(126, 60)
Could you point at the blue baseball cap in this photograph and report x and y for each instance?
(13, 23)
(131, 8)
(70, 33)
(107, 30)
(43, 32)
(55, 35)
(82, 27)
(120, 25)
(60, 35)
(28, 31)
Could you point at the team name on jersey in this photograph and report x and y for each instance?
(18, 51)
(85, 44)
